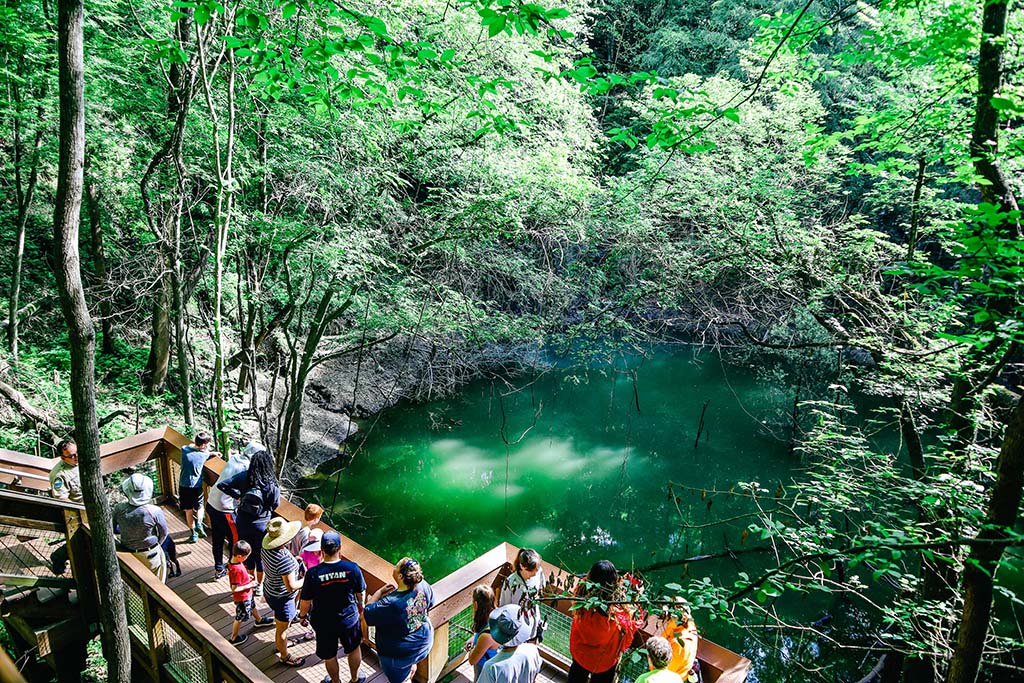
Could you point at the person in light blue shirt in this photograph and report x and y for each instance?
(190, 483)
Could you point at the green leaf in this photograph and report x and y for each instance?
(497, 25)
(288, 10)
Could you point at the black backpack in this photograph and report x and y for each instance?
(251, 502)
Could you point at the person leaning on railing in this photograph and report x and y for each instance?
(522, 587)
(600, 635)
(220, 509)
(142, 525)
(400, 613)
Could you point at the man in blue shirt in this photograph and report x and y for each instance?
(332, 595)
(190, 483)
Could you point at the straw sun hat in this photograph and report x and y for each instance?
(280, 532)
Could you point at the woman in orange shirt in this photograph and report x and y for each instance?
(599, 636)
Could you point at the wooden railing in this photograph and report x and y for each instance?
(168, 635)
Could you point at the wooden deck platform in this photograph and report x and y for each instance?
(211, 599)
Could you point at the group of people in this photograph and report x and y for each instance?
(299, 571)
(508, 627)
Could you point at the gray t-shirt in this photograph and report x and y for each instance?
(142, 526)
(65, 482)
(519, 666)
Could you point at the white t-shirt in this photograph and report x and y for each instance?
(514, 589)
(217, 499)
(518, 666)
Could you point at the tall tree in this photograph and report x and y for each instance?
(82, 336)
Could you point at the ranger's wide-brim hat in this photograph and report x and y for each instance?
(279, 532)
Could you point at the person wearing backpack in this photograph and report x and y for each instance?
(258, 495)
(141, 525)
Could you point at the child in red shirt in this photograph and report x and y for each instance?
(242, 585)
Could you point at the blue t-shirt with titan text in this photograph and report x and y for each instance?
(333, 586)
(403, 627)
(192, 461)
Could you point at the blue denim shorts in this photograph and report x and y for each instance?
(284, 608)
(398, 669)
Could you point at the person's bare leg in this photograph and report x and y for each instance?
(333, 670)
(234, 629)
(355, 658)
(282, 643)
(190, 518)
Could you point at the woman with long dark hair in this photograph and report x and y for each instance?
(258, 495)
(482, 646)
(600, 635)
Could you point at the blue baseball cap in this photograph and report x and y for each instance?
(330, 542)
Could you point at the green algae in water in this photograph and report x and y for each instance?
(566, 463)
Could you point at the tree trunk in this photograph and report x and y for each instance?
(915, 212)
(160, 342)
(24, 192)
(981, 565)
(82, 336)
(99, 257)
(224, 157)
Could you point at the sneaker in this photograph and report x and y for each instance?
(194, 538)
(199, 531)
(219, 573)
(264, 621)
(258, 591)
(242, 637)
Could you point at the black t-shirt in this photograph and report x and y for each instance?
(332, 586)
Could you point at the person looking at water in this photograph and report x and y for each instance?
(190, 483)
(600, 635)
(142, 526)
(258, 495)
(332, 596)
(518, 661)
(481, 646)
(220, 509)
(310, 518)
(681, 634)
(522, 587)
(400, 613)
(659, 653)
(281, 582)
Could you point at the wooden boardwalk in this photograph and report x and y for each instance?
(211, 599)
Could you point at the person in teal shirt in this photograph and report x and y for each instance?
(659, 654)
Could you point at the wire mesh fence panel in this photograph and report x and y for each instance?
(183, 663)
(556, 635)
(460, 629)
(136, 615)
(631, 666)
(27, 554)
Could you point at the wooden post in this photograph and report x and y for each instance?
(81, 567)
(155, 627)
(163, 473)
(430, 668)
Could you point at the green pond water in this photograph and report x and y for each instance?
(574, 461)
(584, 473)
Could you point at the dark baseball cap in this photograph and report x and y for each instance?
(330, 542)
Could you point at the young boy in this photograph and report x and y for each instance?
(659, 652)
(242, 585)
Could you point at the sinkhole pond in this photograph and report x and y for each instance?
(575, 461)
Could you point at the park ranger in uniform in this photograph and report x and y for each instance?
(65, 482)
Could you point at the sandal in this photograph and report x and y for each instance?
(302, 638)
(293, 661)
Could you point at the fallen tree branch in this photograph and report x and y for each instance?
(34, 416)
